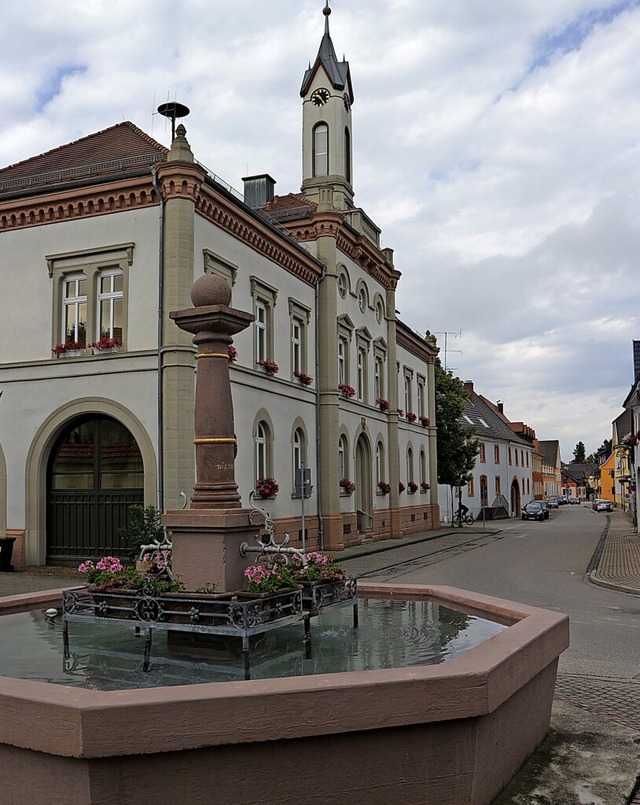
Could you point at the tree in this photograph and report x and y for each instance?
(457, 447)
(579, 454)
(603, 450)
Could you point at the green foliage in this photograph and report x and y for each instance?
(143, 528)
(457, 447)
(579, 454)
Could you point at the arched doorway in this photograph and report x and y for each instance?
(364, 496)
(95, 472)
(515, 498)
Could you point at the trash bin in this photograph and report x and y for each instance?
(6, 550)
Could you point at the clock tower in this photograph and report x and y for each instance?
(327, 97)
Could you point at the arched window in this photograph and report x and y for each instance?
(423, 467)
(297, 453)
(262, 450)
(347, 155)
(379, 463)
(342, 458)
(321, 150)
(409, 464)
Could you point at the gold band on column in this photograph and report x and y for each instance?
(212, 355)
(216, 440)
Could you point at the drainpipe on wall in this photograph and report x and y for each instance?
(160, 412)
(317, 337)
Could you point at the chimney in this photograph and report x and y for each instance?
(258, 190)
(500, 405)
(468, 387)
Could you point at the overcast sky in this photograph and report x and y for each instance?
(495, 144)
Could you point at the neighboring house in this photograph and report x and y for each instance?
(605, 474)
(103, 237)
(551, 467)
(575, 479)
(621, 434)
(502, 479)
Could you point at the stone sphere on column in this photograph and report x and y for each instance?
(210, 289)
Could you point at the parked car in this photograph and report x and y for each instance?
(603, 506)
(552, 503)
(535, 510)
(574, 501)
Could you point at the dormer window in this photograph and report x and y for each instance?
(321, 150)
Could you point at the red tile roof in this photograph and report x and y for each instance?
(119, 149)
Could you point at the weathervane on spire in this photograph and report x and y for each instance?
(326, 11)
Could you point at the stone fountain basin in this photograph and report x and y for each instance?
(447, 734)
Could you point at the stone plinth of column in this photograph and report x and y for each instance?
(206, 546)
(206, 538)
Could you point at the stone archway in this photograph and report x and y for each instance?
(364, 492)
(40, 453)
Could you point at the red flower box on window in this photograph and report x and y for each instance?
(68, 346)
(383, 404)
(267, 487)
(270, 367)
(106, 344)
(305, 379)
(348, 391)
(413, 487)
(232, 352)
(384, 487)
(401, 487)
(348, 486)
(400, 412)
(425, 487)
(411, 416)
(425, 421)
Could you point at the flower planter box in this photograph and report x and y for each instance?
(204, 609)
(253, 609)
(71, 353)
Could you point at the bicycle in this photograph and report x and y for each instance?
(466, 519)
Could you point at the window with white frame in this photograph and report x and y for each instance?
(379, 463)
(321, 150)
(362, 374)
(262, 450)
(420, 397)
(299, 318)
(74, 322)
(110, 304)
(296, 345)
(378, 378)
(407, 393)
(409, 464)
(297, 453)
(423, 467)
(342, 457)
(264, 301)
(90, 289)
(342, 360)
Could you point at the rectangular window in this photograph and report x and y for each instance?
(407, 394)
(378, 375)
(420, 399)
(510, 460)
(321, 150)
(483, 453)
(342, 361)
(110, 304)
(498, 486)
(261, 331)
(471, 491)
(74, 323)
(496, 453)
(90, 289)
(296, 345)
(362, 374)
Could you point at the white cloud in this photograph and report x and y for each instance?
(496, 144)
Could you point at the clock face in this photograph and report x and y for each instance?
(320, 97)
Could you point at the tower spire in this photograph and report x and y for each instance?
(327, 12)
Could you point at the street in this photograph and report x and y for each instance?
(538, 563)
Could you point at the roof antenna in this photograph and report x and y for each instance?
(173, 110)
